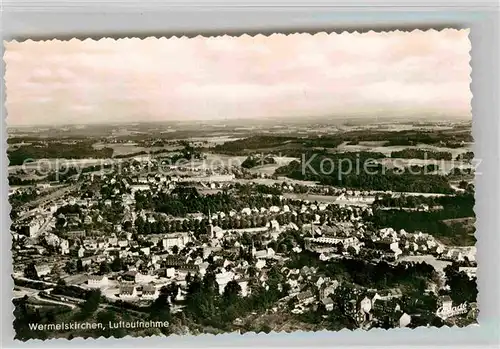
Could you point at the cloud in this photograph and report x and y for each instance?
(232, 77)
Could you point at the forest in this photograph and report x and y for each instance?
(360, 171)
(257, 160)
(55, 150)
(431, 222)
(421, 154)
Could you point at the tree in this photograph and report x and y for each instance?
(92, 302)
(160, 308)
(79, 265)
(116, 265)
(351, 250)
(232, 290)
(104, 268)
(175, 249)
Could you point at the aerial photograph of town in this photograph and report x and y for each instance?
(241, 184)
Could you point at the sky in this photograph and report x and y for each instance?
(217, 78)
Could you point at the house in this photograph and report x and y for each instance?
(133, 276)
(90, 243)
(267, 253)
(470, 271)
(387, 294)
(42, 270)
(102, 243)
(149, 292)
(64, 246)
(87, 261)
(128, 291)
(75, 234)
(32, 228)
(139, 187)
(328, 303)
(261, 263)
(38, 271)
(122, 243)
(169, 272)
(306, 297)
(365, 305)
(404, 320)
(328, 289)
(174, 261)
(97, 281)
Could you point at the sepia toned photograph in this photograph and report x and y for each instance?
(235, 184)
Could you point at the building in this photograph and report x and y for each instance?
(97, 281)
(174, 261)
(330, 241)
(133, 276)
(470, 271)
(42, 270)
(404, 320)
(139, 187)
(328, 303)
(306, 297)
(128, 291)
(75, 234)
(87, 261)
(149, 292)
(32, 228)
(64, 246)
(34, 271)
(385, 295)
(175, 239)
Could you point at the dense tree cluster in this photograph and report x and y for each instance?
(254, 143)
(467, 156)
(360, 171)
(57, 150)
(206, 306)
(431, 222)
(421, 154)
(379, 276)
(22, 197)
(188, 200)
(466, 201)
(462, 288)
(257, 160)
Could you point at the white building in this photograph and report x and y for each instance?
(223, 278)
(139, 187)
(97, 281)
(176, 239)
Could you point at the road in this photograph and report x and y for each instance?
(53, 301)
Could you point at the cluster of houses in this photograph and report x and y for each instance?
(152, 261)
